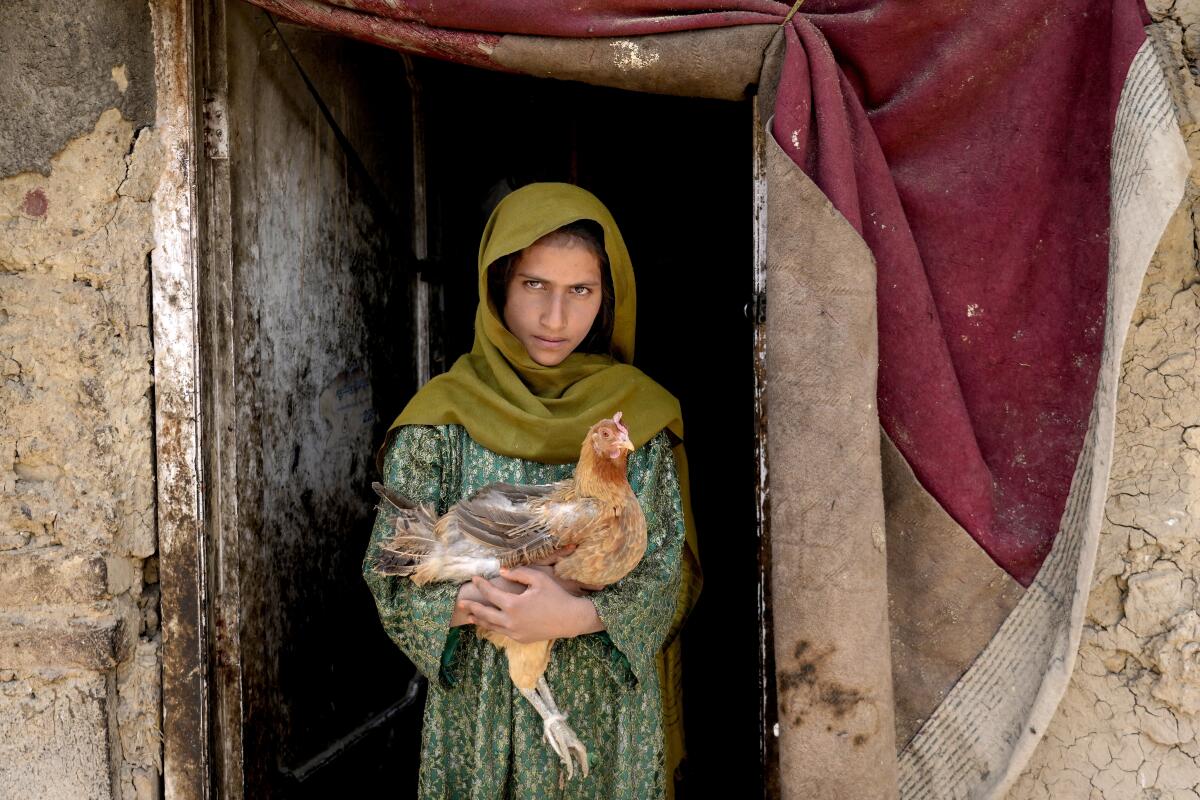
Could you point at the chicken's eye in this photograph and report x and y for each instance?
(604, 433)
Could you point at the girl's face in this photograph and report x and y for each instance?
(552, 299)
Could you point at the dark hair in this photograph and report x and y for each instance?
(584, 232)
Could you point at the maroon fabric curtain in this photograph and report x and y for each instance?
(968, 142)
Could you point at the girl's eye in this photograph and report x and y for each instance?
(582, 291)
(533, 284)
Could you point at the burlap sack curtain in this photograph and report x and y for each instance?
(942, 183)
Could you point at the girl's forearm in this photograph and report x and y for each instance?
(582, 618)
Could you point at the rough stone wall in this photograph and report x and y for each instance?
(79, 641)
(1129, 725)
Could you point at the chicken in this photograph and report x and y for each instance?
(503, 525)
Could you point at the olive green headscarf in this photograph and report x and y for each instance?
(514, 406)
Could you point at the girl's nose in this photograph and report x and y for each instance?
(554, 315)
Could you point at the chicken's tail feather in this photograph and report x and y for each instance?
(387, 563)
(413, 548)
(414, 533)
(398, 502)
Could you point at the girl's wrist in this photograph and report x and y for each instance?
(584, 617)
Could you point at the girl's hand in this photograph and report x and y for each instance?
(545, 610)
(467, 591)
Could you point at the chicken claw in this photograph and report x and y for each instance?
(560, 736)
(557, 722)
(557, 732)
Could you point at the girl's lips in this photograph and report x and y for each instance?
(550, 342)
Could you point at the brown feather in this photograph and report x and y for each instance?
(520, 520)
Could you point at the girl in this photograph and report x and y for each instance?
(554, 335)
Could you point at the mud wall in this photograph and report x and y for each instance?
(79, 639)
(1129, 725)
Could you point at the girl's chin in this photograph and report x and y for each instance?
(549, 360)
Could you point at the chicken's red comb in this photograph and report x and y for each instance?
(620, 427)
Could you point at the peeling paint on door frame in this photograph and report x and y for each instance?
(768, 714)
(177, 416)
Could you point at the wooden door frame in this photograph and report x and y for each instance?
(193, 369)
(179, 491)
(202, 687)
(216, 366)
(768, 711)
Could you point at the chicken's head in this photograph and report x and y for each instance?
(610, 438)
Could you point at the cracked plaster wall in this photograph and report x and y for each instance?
(80, 696)
(63, 62)
(1129, 724)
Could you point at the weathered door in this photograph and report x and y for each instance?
(309, 277)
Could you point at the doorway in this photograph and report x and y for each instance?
(333, 234)
(677, 175)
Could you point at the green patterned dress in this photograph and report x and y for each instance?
(481, 738)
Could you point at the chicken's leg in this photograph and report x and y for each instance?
(556, 730)
(570, 740)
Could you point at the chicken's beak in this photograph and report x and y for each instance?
(625, 444)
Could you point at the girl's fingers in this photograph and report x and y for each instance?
(497, 597)
(526, 575)
(468, 592)
(488, 617)
(505, 585)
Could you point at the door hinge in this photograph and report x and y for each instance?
(756, 309)
(216, 129)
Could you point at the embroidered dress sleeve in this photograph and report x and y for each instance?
(416, 618)
(637, 610)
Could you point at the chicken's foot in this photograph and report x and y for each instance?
(557, 732)
(570, 740)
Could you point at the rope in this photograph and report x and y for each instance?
(379, 199)
(791, 13)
